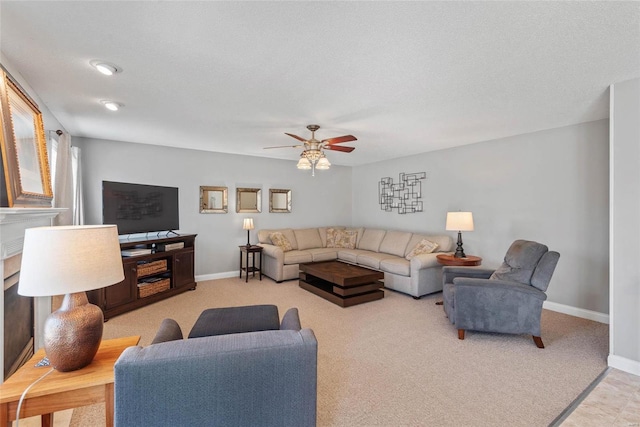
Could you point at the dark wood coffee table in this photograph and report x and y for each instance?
(341, 283)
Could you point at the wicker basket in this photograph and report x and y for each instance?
(148, 289)
(148, 268)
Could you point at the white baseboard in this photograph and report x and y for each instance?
(624, 364)
(578, 312)
(224, 275)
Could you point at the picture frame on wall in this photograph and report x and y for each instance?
(25, 165)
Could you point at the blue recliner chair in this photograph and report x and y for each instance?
(507, 300)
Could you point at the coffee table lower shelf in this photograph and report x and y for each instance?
(342, 296)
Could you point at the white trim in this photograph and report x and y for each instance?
(223, 275)
(578, 312)
(611, 219)
(624, 364)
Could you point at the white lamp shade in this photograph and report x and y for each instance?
(247, 224)
(459, 221)
(69, 259)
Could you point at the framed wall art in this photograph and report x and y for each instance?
(25, 166)
(213, 199)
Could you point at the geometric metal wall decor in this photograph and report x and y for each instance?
(406, 195)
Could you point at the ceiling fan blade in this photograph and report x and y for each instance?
(339, 139)
(296, 137)
(284, 146)
(339, 148)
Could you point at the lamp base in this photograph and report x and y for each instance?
(459, 251)
(72, 334)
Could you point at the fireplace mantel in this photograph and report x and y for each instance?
(13, 223)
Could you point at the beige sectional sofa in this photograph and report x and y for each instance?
(378, 249)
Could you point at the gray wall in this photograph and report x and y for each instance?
(321, 200)
(625, 226)
(550, 186)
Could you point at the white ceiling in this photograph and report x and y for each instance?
(404, 77)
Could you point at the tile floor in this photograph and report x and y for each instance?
(615, 401)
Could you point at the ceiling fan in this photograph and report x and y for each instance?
(312, 157)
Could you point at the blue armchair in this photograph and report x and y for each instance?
(266, 378)
(507, 300)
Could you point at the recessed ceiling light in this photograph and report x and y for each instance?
(105, 68)
(111, 105)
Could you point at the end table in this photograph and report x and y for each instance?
(467, 261)
(250, 250)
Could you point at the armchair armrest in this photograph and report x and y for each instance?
(467, 286)
(449, 273)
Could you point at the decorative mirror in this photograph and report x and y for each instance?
(213, 199)
(279, 200)
(248, 200)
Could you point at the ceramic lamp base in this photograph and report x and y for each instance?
(72, 334)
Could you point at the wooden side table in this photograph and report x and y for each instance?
(63, 390)
(467, 261)
(248, 268)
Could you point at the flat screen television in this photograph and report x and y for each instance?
(139, 208)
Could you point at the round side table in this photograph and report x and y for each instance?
(467, 261)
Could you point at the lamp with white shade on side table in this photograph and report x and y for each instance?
(69, 260)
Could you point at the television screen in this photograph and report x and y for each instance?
(139, 208)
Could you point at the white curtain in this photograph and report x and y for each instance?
(66, 180)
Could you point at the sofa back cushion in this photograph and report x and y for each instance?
(445, 243)
(371, 239)
(308, 238)
(395, 243)
(263, 236)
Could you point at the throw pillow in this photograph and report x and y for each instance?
(331, 237)
(279, 240)
(346, 239)
(424, 246)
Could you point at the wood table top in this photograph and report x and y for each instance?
(98, 372)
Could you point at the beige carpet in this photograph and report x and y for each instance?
(398, 361)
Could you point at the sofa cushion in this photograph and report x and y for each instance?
(371, 239)
(169, 331)
(350, 255)
(424, 246)
(296, 257)
(395, 242)
(308, 238)
(371, 259)
(396, 266)
(281, 241)
(234, 320)
(323, 254)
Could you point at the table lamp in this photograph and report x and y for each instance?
(70, 260)
(459, 221)
(247, 224)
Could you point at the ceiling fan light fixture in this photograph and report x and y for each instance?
(304, 164)
(323, 163)
(105, 68)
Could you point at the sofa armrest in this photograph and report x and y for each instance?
(449, 273)
(423, 261)
(273, 251)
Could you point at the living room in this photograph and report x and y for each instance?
(553, 184)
